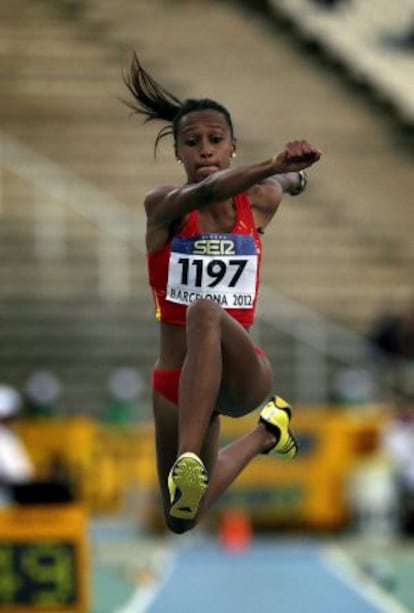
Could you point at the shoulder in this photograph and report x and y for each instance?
(155, 196)
(158, 230)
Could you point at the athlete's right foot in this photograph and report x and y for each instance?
(275, 416)
(187, 483)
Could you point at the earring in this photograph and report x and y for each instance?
(179, 161)
(234, 154)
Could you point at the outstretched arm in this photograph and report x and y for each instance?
(164, 206)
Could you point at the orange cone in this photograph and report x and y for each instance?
(235, 530)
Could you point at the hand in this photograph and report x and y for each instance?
(297, 155)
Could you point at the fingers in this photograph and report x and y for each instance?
(301, 151)
(296, 155)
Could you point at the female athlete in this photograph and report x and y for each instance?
(204, 252)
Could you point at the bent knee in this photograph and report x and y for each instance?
(203, 312)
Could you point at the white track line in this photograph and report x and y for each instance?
(340, 564)
(143, 596)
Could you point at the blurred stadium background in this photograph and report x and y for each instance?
(74, 299)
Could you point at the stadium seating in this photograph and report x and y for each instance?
(374, 44)
(341, 249)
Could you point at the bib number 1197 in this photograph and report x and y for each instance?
(212, 273)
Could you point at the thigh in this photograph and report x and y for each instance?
(247, 374)
(166, 443)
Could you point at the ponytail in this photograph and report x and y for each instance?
(157, 103)
(151, 99)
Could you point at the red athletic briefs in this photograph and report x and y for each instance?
(166, 382)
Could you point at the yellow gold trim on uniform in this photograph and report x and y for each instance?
(157, 306)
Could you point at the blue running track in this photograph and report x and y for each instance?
(270, 577)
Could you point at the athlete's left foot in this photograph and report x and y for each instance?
(187, 483)
(275, 416)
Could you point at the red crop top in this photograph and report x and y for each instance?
(221, 266)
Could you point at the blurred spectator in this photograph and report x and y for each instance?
(398, 444)
(15, 464)
(393, 336)
(43, 391)
(125, 388)
(372, 497)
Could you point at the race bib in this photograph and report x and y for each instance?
(220, 267)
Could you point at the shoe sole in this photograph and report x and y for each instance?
(190, 489)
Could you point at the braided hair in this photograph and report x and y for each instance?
(156, 103)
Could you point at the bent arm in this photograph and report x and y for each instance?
(175, 203)
(266, 196)
(165, 205)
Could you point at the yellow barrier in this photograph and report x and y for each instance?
(311, 490)
(106, 462)
(102, 462)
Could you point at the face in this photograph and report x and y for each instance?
(204, 144)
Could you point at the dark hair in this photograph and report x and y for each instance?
(157, 103)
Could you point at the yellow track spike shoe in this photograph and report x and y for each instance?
(276, 416)
(187, 483)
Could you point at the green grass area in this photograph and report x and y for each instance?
(389, 565)
(110, 590)
(403, 568)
